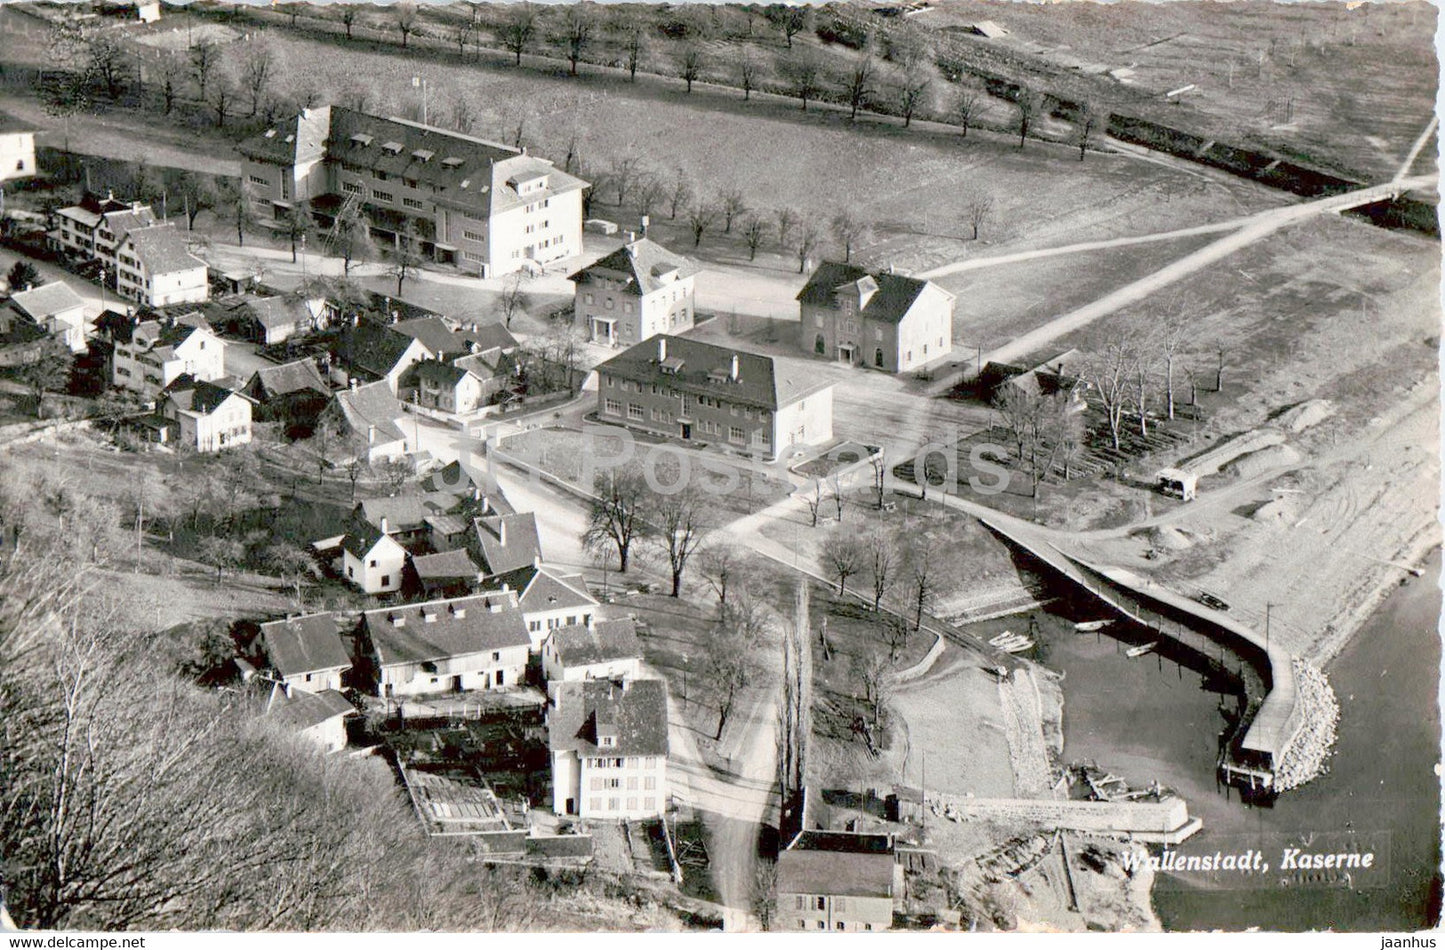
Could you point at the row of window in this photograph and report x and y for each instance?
(537, 205)
(632, 762)
(649, 803)
(599, 784)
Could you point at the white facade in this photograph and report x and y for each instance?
(146, 260)
(378, 570)
(488, 669)
(146, 364)
(228, 426)
(17, 155)
(609, 787)
(555, 668)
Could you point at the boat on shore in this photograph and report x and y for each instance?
(1140, 651)
(1089, 626)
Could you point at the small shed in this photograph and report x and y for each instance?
(1177, 483)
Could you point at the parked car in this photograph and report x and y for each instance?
(1210, 601)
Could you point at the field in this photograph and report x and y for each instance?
(1346, 86)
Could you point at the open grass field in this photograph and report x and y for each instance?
(1346, 86)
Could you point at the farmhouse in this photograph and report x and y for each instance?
(445, 387)
(372, 560)
(272, 320)
(604, 649)
(403, 517)
(884, 321)
(319, 717)
(56, 309)
(373, 352)
(506, 542)
(204, 416)
(306, 652)
(636, 292)
(708, 394)
(609, 748)
(17, 150)
(445, 573)
(445, 646)
(837, 882)
(292, 392)
(485, 207)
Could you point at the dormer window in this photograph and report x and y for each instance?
(607, 742)
(361, 140)
(391, 148)
(423, 155)
(270, 133)
(451, 161)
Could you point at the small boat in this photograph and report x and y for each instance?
(1015, 644)
(1006, 635)
(1140, 651)
(1089, 626)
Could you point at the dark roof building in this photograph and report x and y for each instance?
(640, 267)
(508, 542)
(297, 376)
(878, 319)
(310, 643)
(439, 629)
(605, 717)
(583, 644)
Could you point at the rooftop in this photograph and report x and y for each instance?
(305, 644)
(371, 405)
(604, 640)
(643, 264)
(438, 629)
(196, 395)
(47, 300)
(293, 377)
(508, 542)
(632, 714)
(303, 709)
(890, 296)
(708, 369)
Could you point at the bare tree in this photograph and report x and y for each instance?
(747, 74)
(462, 115)
(807, 242)
(406, 256)
(873, 671)
(205, 57)
(812, 496)
(512, 297)
(1109, 376)
(680, 196)
(636, 46)
(755, 233)
(649, 191)
(843, 556)
(913, 93)
(578, 35)
(794, 20)
(787, 221)
(722, 567)
(462, 34)
(1029, 103)
(1172, 334)
(519, 30)
(849, 230)
(921, 572)
(348, 18)
(967, 108)
(106, 62)
(1088, 121)
(860, 83)
(624, 175)
(803, 75)
(46, 370)
(976, 209)
(795, 724)
(690, 64)
(880, 564)
(732, 205)
(405, 14)
(700, 218)
(1141, 382)
(878, 461)
(616, 518)
(680, 517)
(256, 69)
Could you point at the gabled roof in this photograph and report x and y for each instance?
(196, 395)
(705, 369)
(47, 300)
(540, 588)
(432, 333)
(162, 250)
(360, 541)
(445, 565)
(122, 222)
(402, 513)
(634, 712)
(273, 312)
(459, 626)
(444, 374)
(835, 873)
(489, 364)
(303, 709)
(488, 336)
(523, 545)
(892, 295)
(295, 139)
(371, 405)
(305, 644)
(374, 348)
(296, 376)
(580, 644)
(644, 265)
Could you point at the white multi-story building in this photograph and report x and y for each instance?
(485, 207)
(17, 151)
(144, 260)
(206, 417)
(445, 646)
(609, 748)
(148, 355)
(638, 291)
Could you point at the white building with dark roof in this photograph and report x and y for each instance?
(369, 414)
(148, 355)
(372, 560)
(485, 207)
(318, 717)
(837, 882)
(881, 320)
(548, 599)
(57, 309)
(446, 646)
(636, 292)
(306, 652)
(206, 417)
(609, 748)
(17, 149)
(603, 649)
(714, 395)
(505, 543)
(145, 260)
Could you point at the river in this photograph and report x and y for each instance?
(1147, 719)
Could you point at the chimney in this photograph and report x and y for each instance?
(384, 525)
(733, 369)
(661, 348)
(629, 237)
(371, 435)
(351, 383)
(502, 531)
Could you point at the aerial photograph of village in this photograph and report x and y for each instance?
(864, 466)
